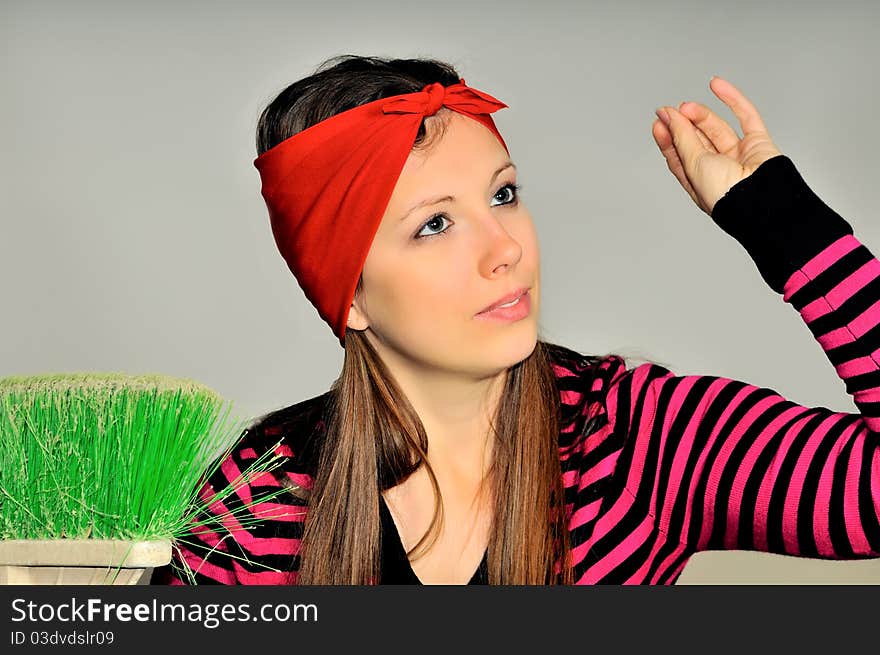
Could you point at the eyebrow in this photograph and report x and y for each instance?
(434, 201)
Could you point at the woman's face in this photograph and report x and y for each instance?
(433, 267)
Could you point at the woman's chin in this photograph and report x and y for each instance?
(510, 349)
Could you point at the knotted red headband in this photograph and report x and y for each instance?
(328, 186)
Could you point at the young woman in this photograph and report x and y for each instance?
(457, 446)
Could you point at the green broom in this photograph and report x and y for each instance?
(99, 473)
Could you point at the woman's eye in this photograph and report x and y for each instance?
(509, 189)
(435, 224)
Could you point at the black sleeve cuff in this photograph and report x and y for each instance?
(778, 219)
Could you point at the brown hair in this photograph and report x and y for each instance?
(374, 438)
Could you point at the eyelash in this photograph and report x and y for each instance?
(514, 187)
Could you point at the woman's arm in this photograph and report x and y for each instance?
(723, 464)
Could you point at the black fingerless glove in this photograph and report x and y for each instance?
(778, 219)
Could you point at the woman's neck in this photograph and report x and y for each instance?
(456, 414)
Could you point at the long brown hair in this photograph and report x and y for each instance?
(374, 439)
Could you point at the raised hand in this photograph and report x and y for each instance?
(705, 153)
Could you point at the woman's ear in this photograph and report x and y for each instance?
(357, 318)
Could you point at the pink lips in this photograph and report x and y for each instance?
(513, 313)
(505, 299)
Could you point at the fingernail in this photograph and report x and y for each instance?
(662, 115)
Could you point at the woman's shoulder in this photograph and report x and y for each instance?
(294, 431)
(572, 368)
(584, 383)
(250, 509)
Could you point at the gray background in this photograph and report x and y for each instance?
(134, 238)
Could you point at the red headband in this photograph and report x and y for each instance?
(328, 186)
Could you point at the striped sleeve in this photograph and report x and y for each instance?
(241, 538)
(716, 463)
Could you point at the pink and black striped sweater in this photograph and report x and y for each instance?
(657, 466)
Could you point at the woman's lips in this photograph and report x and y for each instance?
(515, 312)
(505, 299)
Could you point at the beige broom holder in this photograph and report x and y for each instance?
(80, 561)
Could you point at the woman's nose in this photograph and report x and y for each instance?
(500, 249)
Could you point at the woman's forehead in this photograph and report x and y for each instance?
(452, 137)
(467, 151)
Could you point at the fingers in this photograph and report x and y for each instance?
(721, 135)
(707, 144)
(663, 130)
(663, 138)
(742, 108)
(684, 137)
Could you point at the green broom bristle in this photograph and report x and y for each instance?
(113, 456)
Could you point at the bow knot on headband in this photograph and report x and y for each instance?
(328, 186)
(429, 100)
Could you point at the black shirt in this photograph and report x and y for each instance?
(396, 568)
